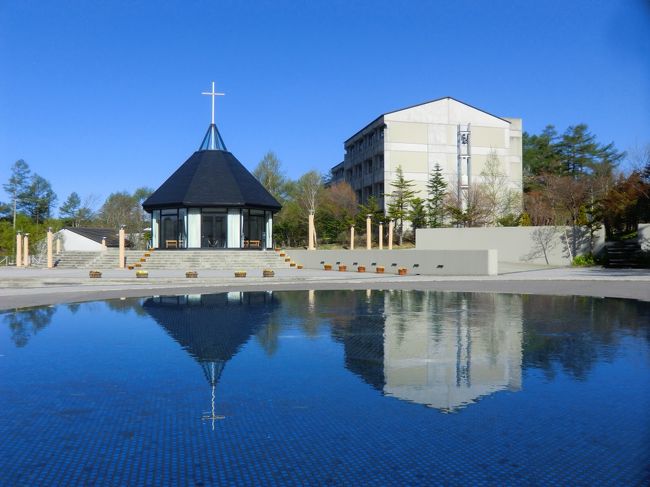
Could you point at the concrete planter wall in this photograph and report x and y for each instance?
(513, 244)
(425, 262)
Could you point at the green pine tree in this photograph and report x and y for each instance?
(370, 208)
(400, 199)
(418, 213)
(17, 185)
(69, 210)
(437, 190)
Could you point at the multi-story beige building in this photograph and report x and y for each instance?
(445, 131)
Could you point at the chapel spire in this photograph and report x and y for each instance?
(212, 139)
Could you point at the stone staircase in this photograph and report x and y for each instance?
(624, 253)
(109, 258)
(74, 259)
(174, 259)
(212, 259)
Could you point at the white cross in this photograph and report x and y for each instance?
(212, 94)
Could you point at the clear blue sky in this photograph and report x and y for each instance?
(104, 96)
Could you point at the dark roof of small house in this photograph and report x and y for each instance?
(211, 178)
(96, 234)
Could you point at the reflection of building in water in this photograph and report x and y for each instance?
(211, 328)
(444, 350)
(447, 349)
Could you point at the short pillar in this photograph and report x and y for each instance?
(312, 231)
(369, 232)
(58, 244)
(19, 249)
(121, 252)
(381, 236)
(103, 243)
(352, 237)
(26, 250)
(391, 228)
(50, 262)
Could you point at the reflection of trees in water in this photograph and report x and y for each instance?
(267, 337)
(361, 331)
(126, 305)
(26, 323)
(310, 310)
(576, 331)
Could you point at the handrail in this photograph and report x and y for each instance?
(4, 260)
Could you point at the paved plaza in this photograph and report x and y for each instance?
(32, 287)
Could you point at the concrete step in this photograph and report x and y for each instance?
(182, 259)
(623, 254)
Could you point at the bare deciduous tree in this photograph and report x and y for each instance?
(568, 195)
(308, 188)
(498, 199)
(544, 240)
(472, 212)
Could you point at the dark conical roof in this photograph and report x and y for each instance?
(211, 178)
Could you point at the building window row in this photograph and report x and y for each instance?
(365, 141)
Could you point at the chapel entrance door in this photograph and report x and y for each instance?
(214, 231)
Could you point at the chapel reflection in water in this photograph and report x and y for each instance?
(212, 328)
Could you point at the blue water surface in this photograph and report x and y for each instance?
(327, 388)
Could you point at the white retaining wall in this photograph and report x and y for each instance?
(74, 241)
(514, 244)
(644, 236)
(427, 262)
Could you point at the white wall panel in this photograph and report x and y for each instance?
(234, 228)
(194, 228)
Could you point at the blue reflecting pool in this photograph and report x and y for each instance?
(327, 387)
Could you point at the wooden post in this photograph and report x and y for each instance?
(19, 249)
(369, 232)
(312, 232)
(58, 244)
(391, 228)
(381, 236)
(26, 250)
(121, 252)
(352, 237)
(50, 263)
